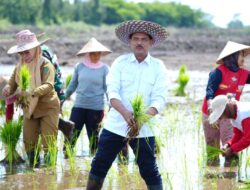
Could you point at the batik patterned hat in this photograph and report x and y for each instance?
(156, 31)
(25, 40)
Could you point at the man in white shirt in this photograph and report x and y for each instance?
(130, 75)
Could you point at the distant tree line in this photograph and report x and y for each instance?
(99, 12)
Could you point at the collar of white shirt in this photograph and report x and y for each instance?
(134, 60)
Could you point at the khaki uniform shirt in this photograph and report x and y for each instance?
(48, 102)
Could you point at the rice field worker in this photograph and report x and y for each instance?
(42, 112)
(131, 74)
(228, 77)
(238, 113)
(89, 83)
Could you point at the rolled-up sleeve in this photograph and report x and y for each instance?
(159, 92)
(113, 81)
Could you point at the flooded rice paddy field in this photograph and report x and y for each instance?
(181, 160)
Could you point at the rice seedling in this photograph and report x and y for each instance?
(24, 85)
(9, 135)
(36, 153)
(182, 80)
(71, 154)
(167, 180)
(2, 107)
(213, 153)
(50, 156)
(140, 116)
(67, 81)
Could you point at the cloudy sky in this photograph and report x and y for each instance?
(223, 11)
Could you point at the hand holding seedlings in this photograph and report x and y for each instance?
(228, 152)
(129, 118)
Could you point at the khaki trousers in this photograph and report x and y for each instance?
(46, 126)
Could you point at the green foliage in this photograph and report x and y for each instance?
(68, 79)
(25, 77)
(20, 11)
(235, 24)
(182, 80)
(97, 12)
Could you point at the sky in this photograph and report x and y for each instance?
(222, 11)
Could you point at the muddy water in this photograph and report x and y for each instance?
(181, 160)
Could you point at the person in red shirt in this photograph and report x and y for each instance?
(228, 77)
(238, 113)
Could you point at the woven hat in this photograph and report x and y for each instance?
(25, 40)
(156, 31)
(218, 105)
(94, 46)
(230, 48)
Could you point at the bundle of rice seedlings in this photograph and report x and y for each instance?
(24, 85)
(140, 116)
(182, 80)
(9, 135)
(213, 153)
(68, 79)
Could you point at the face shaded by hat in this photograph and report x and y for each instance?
(25, 40)
(93, 46)
(154, 30)
(231, 48)
(218, 105)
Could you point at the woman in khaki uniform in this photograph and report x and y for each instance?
(42, 114)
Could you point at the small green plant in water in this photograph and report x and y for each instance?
(213, 153)
(140, 116)
(2, 107)
(68, 79)
(182, 80)
(50, 156)
(9, 135)
(24, 85)
(71, 154)
(36, 153)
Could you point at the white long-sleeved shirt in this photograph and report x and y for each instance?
(126, 79)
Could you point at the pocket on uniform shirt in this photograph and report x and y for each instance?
(126, 80)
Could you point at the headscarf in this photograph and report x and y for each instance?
(34, 67)
(87, 62)
(231, 61)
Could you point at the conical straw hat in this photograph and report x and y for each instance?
(230, 48)
(94, 46)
